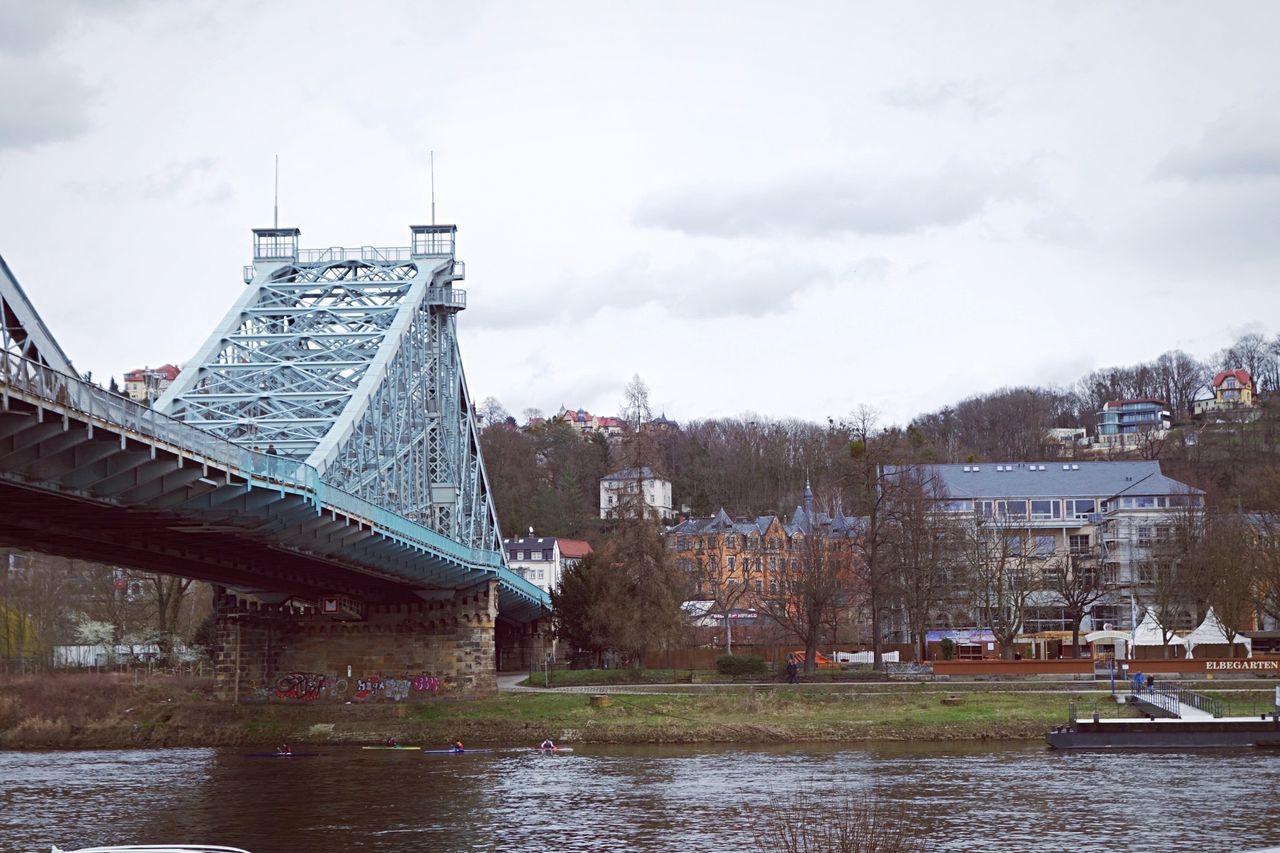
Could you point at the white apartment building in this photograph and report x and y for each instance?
(623, 489)
(542, 560)
(1114, 510)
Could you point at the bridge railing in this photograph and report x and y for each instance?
(450, 297)
(1172, 697)
(96, 404)
(369, 254)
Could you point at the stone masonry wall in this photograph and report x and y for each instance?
(398, 652)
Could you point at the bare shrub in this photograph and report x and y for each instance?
(40, 732)
(849, 824)
(10, 713)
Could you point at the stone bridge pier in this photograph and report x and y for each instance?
(520, 644)
(344, 651)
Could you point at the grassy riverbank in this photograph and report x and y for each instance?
(107, 711)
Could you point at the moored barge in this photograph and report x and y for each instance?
(1164, 733)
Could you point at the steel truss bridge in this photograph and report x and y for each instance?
(321, 444)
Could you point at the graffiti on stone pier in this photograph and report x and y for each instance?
(315, 686)
(307, 686)
(376, 687)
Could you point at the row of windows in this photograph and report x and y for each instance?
(685, 542)
(1071, 508)
(733, 564)
(1157, 501)
(758, 585)
(1075, 508)
(535, 555)
(1039, 619)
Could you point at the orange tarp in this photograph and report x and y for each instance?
(819, 658)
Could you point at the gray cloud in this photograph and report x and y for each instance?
(27, 28)
(1236, 148)
(195, 181)
(1212, 227)
(43, 98)
(706, 288)
(1061, 226)
(40, 102)
(935, 97)
(831, 204)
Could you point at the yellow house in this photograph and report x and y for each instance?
(1232, 389)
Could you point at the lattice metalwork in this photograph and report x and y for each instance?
(348, 359)
(23, 334)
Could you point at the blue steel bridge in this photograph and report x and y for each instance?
(322, 442)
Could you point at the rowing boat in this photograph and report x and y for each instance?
(452, 752)
(155, 848)
(411, 748)
(549, 750)
(281, 754)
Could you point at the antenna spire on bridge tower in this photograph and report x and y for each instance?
(275, 221)
(433, 188)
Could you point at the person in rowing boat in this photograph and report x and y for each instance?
(548, 744)
(457, 746)
(284, 749)
(391, 743)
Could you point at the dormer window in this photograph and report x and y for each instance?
(1230, 382)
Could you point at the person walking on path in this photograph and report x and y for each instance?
(792, 670)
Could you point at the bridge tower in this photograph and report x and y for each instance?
(347, 359)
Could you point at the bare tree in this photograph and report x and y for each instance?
(1265, 555)
(869, 449)
(1180, 377)
(728, 585)
(811, 584)
(635, 403)
(35, 590)
(491, 411)
(1234, 576)
(166, 595)
(921, 540)
(1003, 570)
(1173, 581)
(1077, 578)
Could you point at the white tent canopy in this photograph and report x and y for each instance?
(1211, 632)
(1148, 632)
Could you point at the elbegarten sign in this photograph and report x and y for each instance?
(1246, 665)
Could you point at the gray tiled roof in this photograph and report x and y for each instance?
(631, 474)
(528, 543)
(841, 525)
(1058, 479)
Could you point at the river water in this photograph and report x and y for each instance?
(958, 797)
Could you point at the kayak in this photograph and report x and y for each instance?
(413, 748)
(281, 754)
(452, 752)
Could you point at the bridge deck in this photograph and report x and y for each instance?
(89, 474)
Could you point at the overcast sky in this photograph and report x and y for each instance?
(786, 208)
